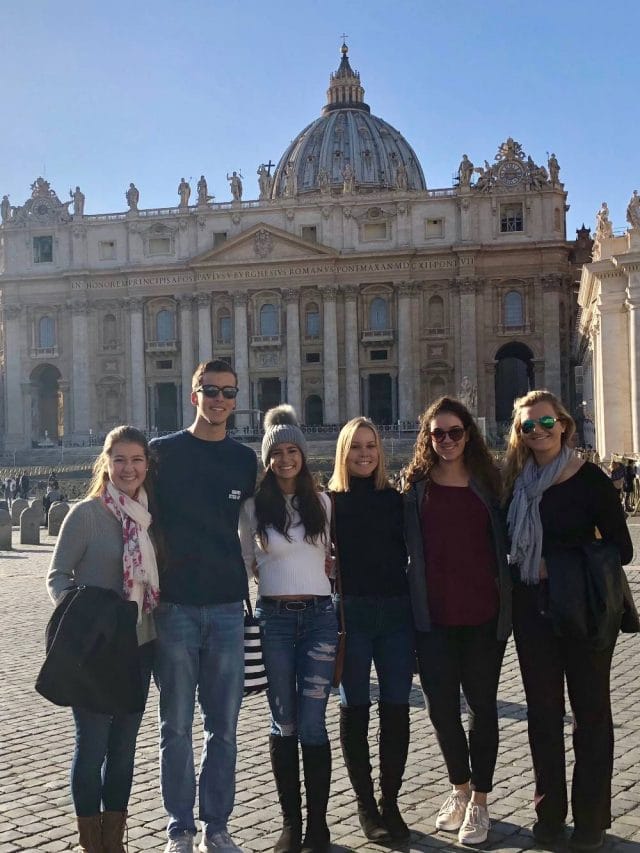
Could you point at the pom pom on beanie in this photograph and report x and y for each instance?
(281, 427)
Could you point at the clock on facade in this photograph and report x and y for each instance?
(510, 172)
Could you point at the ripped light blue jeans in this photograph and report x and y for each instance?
(299, 648)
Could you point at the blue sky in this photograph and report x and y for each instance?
(101, 94)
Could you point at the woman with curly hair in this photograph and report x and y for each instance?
(460, 590)
(285, 538)
(557, 501)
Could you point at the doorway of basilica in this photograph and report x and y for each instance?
(269, 394)
(514, 378)
(166, 407)
(47, 416)
(380, 398)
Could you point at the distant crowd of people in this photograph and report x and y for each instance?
(434, 574)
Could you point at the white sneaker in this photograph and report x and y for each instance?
(452, 811)
(182, 843)
(475, 827)
(220, 842)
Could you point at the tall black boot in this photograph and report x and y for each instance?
(286, 771)
(354, 730)
(394, 747)
(316, 761)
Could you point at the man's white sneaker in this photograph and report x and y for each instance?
(452, 811)
(219, 842)
(182, 843)
(475, 827)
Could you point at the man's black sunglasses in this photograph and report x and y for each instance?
(229, 392)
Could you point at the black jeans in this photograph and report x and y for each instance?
(470, 657)
(545, 661)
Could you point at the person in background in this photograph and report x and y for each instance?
(104, 541)
(369, 541)
(460, 589)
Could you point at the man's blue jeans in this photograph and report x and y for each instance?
(199, 648)
(299, 650)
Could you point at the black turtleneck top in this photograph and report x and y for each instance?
(370, 540)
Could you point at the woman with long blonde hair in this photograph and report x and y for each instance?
(369, 542)
(558, 502)
(461, 597)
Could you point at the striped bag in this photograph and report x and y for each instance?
(255, 675)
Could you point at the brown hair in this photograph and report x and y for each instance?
(517, 452)
(214, 366)
(477, 458)
(101, 465)
(340, 478)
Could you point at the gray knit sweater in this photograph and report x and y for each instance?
(89, 553)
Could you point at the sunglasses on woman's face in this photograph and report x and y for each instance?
(455, 434)
(546, 422)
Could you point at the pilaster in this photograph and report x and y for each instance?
(352, 366)
(330, 356)
(294, 390)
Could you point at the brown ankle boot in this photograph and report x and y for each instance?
(113, 827)
(90, 834)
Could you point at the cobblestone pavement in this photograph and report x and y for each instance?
(36, 744)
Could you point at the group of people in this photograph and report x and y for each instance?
(434, 576)
(16, 487)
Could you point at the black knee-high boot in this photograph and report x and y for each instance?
(286, 770)
(394, 748)
(354, 732)
(316, 761)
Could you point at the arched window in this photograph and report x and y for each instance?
(436, 312)
(46, 332)
(164, 325)
(109, 339)
(225, 330)
(269, 320)
(436, 388)
(513, 309)
(379, 314)
(312, 321)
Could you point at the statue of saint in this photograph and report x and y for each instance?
(203, 192)
(133, 196)
(265, 182)
(184, 191)
(323, 180)
(604, 227)
(554, 170)
(468, 394)
(78, 201)
(633, 210)
(5, 208)
(235, 184)
(465, 171)
(402, 181)
(348, 179)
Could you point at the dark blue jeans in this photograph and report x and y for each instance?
(199, 648)
(299, 649)
(105, 747)
(379, 630)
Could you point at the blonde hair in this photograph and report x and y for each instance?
(100, 476)
(517, 452)
(339, 481)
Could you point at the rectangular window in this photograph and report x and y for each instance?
(309, 233)
(43, 250)
(511, 218)
(107, 250)
(165, 364)
(225, 330)
(312, 358)
(434, 227)
(159, 245)
(374, 231)
(219, 237)
(379, 355)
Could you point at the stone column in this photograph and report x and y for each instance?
(406, 360)
(294, 386)
(633, 305)
(330, 356)
(29, 398)
(467, 288)
(13, 342)
(551, 332)
(489, 396)
(80, 369)
(613, 346)
(352, 365)
(186, 355)
(241, 355)
(205, 344)
(64, 388)
(138, 383)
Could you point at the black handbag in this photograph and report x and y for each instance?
(255, 674)
(589, 596)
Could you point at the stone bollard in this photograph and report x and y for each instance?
(16, 510)
(4, 505)
(57, 512)
(30, 521)
(5, 530)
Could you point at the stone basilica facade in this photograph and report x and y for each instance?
(347, 287)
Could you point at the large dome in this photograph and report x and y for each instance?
(347, 149)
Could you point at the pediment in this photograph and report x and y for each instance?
(263, 244)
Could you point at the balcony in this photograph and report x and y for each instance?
(510, 331)
(436, 331)
(258, 341)
(378, 336)
(161, 346)
(44, 352)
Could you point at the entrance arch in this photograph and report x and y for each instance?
(313, 410)
(514, 377)
(46, 403)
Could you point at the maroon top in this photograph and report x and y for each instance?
(462, 587)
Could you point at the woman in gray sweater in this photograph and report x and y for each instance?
(104, 542)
